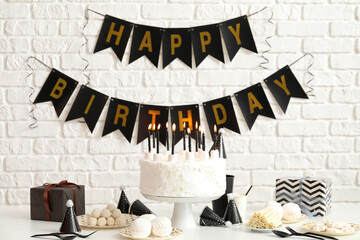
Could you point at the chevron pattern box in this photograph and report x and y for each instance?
(315, 194)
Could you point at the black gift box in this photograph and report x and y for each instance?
(57, 197)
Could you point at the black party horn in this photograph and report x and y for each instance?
(209, 218)
(70, 223)
(123, 203)
(138, 208)
(231, 212)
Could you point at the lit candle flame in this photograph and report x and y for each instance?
(200, 127)
(196, 125)
(153, 127)
(149, 127)
(174, 127)
(158, 128)
(215, 128)
(189, 131)
(167, 125)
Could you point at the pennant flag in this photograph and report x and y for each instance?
(283, 85)
(89, 105)
(253, 102)
(114, 33)
(188, 114)
(221, 112)
(237, 33)
(176, 44)
(58, 89)
(155, 115)
(121, 115)
(146, 41)
(207, 41)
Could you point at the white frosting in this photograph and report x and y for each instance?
(161, 227)
(140, 228)
(292, 211)
(182, 178)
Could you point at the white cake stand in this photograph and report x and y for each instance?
(182, 214)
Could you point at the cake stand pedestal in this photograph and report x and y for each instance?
(182, 214)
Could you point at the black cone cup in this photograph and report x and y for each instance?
(209, 218)
(219, 205)
(70, 223)
(232, 213)
(123, 203)
(138, 208)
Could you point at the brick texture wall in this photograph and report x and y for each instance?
(319, 137)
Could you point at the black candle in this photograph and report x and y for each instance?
(184, 133)
(153, 134)
(158, 138)
(200, 129)
(167, 136)
(173, 138)
(215, 135)
(220, 144)
(203, 139)
(189, 133)
(196, 136)
(149, 136)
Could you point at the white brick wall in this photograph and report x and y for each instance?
(319, 137)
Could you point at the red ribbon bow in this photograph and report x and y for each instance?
(49, 186)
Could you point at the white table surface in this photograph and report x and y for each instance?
(15, 224)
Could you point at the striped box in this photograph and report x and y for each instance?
(315, 194)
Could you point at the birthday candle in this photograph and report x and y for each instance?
(173, 138)
(189, 133)
(167, 136)
(153, 134)
(196, 136)
(158, 138)
(203, 139)
(184, 133)
(215, 135)
(149, 136)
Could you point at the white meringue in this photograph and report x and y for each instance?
(92, 221)
(105, 213)
(116, 213)
(149, 217)
(110, 221)
(121, 220)
(292, 211)
(161, 227)
(101, 221)
(277, 207)
(96, 213)
(111, 207)
(140, 228)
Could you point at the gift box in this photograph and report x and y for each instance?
(48, 202)
(311, 194)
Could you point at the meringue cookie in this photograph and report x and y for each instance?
(121, 220)
(92, 221)
(277, 207)
(105, 213)
(101, 221)
(161, 227)
(140, 228)
(96, 213)
(291, 211)
(110, 221)
(116, 213)
(149, 217)
(111, 207)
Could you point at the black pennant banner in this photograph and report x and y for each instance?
(221, 112)
(176, 44)
(253, 102)
(207, 41)
(58, 89)
(121, 115)
(146, 41)
(188, 114)
(114, 33)
(283, 86)
(89, 105)
(237, 33)
(152, 114)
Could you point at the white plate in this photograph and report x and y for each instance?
(300, 219)
(175, 233)
(264, 230)
(83, 222)
(309, 224)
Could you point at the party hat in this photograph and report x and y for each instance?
(209, 218)
(231, 212)
(123, 203)
(70, 223)
(138, 208)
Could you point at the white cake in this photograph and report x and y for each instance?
(183, 175)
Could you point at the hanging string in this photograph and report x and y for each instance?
(309, 92)
(34, 120)
(83, 46)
